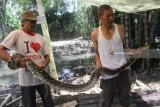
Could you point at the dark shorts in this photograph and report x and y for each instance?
(119, 87)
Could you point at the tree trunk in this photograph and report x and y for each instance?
(46, 35)
(146, 39)
(3, 26)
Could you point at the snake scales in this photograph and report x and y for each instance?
(44, 76)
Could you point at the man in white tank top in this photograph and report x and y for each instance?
(108, 39)
(34, 47)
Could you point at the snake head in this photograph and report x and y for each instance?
(14, 60)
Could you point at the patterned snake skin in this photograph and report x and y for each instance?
(44, 76)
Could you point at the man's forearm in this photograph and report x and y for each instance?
(129, 50)
(98, 61)
(4, 55)
(46, 61)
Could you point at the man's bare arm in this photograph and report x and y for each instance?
(45, 62)
(4, 54)
(123, 37)
(94, 37)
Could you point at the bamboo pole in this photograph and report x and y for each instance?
(136, 30)
(145, 15)
(45, 31)
(146, 28)
(127, 27)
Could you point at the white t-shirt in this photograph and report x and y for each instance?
(34, 47)
(109, 51)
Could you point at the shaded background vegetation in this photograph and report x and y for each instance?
(66, 19)
(70, 19)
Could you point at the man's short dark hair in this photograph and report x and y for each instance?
(102, 8)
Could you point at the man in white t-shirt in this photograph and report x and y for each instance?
(32, 45)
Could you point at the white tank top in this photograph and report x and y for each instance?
(110, 51)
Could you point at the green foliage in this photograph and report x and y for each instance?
(84, 20)
(59, 16)
(24, 4)
(1, 20)
(1, 36)
(80, 20)
(12, 20)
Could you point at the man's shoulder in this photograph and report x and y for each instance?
(120, 26)
(16, 31)
(121, 30)
(39, 36)
(95, 32)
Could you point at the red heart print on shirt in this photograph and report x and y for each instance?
(35, 46)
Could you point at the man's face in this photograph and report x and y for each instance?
(107, 18)
(29, 25)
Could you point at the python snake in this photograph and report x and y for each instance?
(44, 76)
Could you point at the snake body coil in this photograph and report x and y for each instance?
(44, 76)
